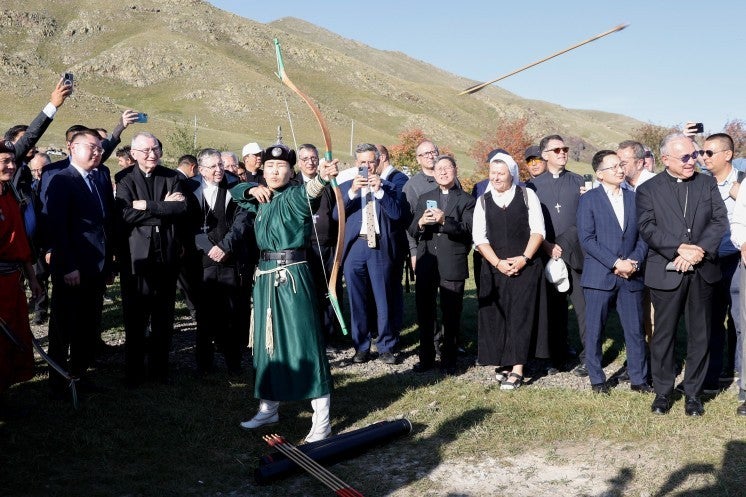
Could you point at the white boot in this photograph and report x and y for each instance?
(266, 415)
(320, 419)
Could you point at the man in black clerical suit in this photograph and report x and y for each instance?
(559, 191)
(79, 214)
(152, 208)
(442, 228)
(221, 230)
(682, 218)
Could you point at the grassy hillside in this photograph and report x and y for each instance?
(177, 59)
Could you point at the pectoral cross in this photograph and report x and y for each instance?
(557, 207)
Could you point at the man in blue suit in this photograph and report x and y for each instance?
(614, 251)
(373, 208)
(79, 212)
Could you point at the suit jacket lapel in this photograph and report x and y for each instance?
(159, 185)
(695, 192)
(610, 209)
(141, 189)
(629, 207)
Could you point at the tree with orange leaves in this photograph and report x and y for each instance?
(512, 137)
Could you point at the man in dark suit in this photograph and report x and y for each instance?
(152, 208)
(372, 207)
(442, 227)
(559, 191)
(323, 241)
(79, 214)
(682, 218)
(612, 270)
(221, 228)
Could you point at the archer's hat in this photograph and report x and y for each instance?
(279, 151)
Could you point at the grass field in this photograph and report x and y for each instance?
(551, 438)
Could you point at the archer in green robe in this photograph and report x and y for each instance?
(288, 346)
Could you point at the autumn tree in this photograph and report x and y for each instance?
(403, 154)
(651, 136)
(736, 128)
(512, 137)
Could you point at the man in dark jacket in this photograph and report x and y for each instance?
(152, 209)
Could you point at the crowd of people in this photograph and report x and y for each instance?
(251, 243)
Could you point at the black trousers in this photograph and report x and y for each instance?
(219, 318)
(427, 287)
(148, 298)
(74, 324)
(558, 316)
(694, 297)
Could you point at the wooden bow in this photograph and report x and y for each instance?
(334, 275)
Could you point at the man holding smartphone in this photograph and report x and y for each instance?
(373, 207)
(442, 228)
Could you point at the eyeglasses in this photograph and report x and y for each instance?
(431, 153)
(147, 151)
(693, 156)
(616, 166)
(444, 169)
(710, 153)
(558, 150)
(534, 160)
(214, 166)
(309, 159)
(94, 148)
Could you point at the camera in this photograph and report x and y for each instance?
(67, 79)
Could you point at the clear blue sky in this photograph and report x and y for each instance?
(677, 61)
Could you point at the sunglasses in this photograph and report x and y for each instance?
(648, 154)
(710, 153)
(558, 150)
(693, 156)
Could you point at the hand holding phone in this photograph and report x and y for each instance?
(142, 117)
(68, 81)
(588, 178)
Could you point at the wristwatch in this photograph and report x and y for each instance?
(526, 258)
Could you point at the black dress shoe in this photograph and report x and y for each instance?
(741, 410)
(661, 404)
(693, 406)
(387, 358)
(361, 357)
(422, 367)
(642, 388)
(601, 388)
(448, 370)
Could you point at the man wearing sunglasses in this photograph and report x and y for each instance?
(559, 191)
(718, 154)
(682, 218)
